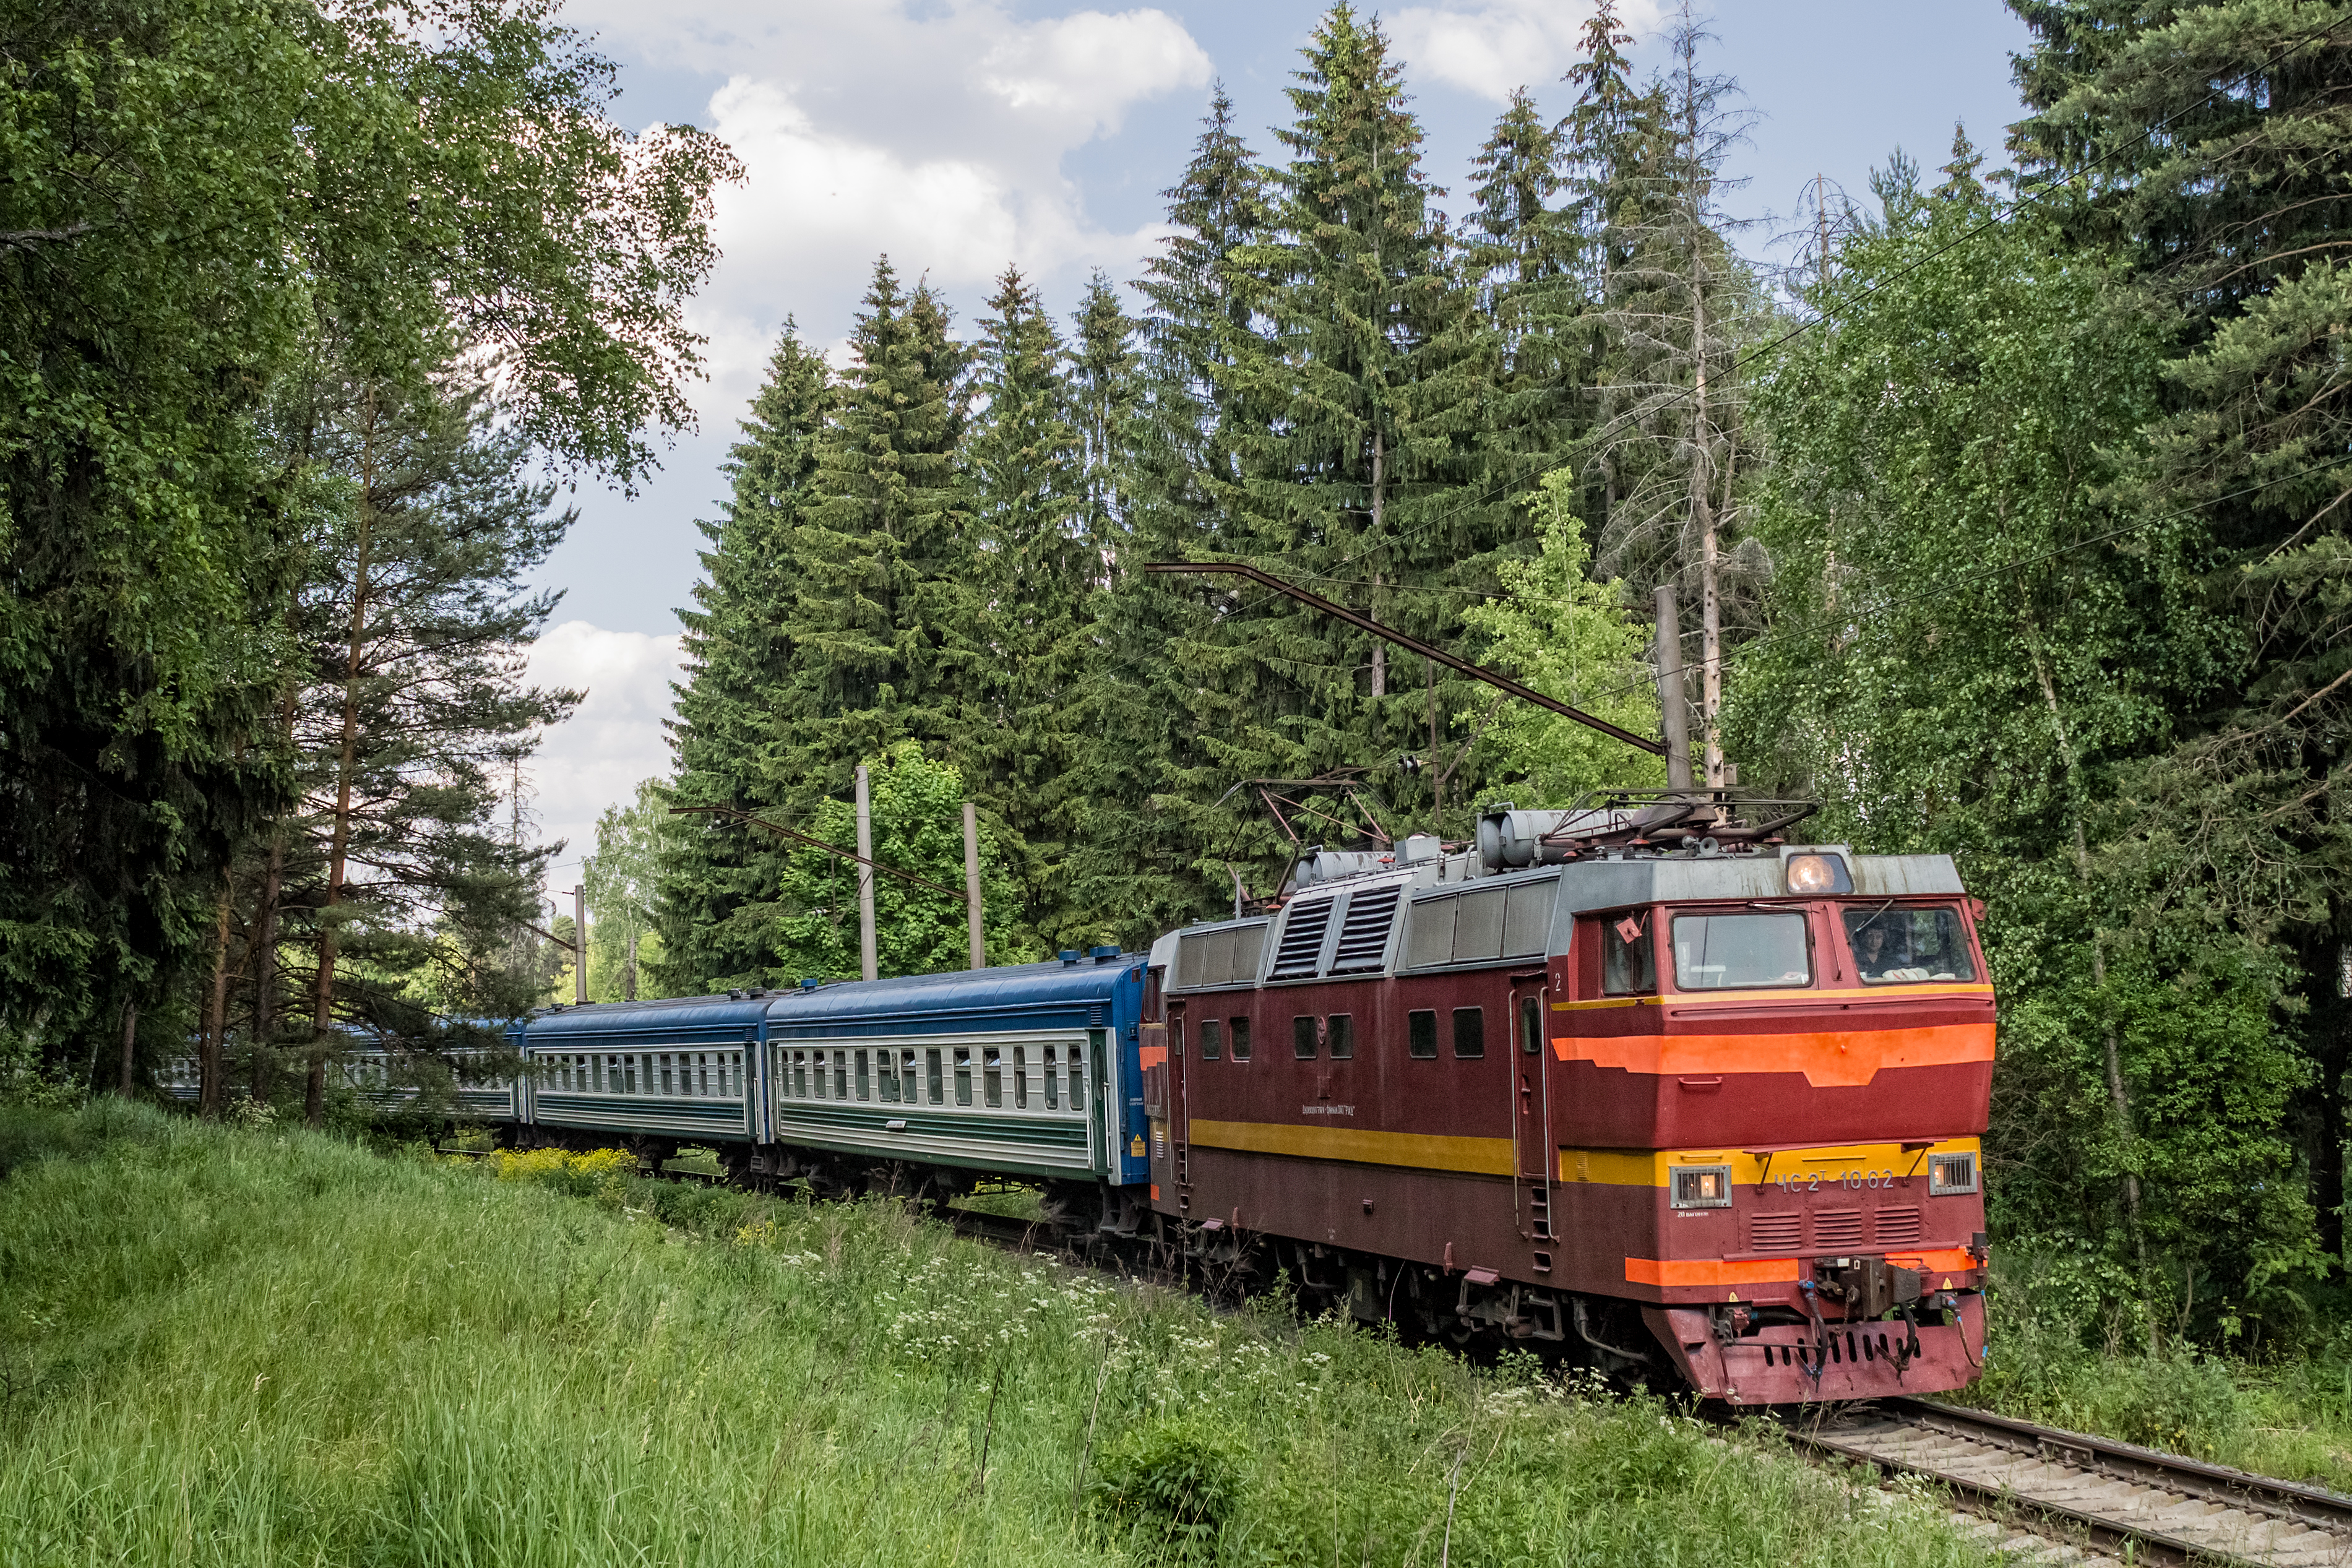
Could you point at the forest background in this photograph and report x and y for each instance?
(2008, 517)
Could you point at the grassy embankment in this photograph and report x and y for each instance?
(253, 1347)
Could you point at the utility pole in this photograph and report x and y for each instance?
(1674, 704)
(579, 941)
(866, 964)
(972, 884)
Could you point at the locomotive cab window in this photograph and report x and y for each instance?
(1629, 960)
(1302, 1037)
(1724, 953)
(1896, 947)
(1213, 1039)
(1340, 1032)
(1241, 1027)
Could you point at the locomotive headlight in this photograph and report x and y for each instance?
(1700, 1186)
(1817, 874)
(1951, 1173)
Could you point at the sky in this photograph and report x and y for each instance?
(957, 136)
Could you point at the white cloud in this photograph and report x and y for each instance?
(938, 138)
(1490, 48)
(613, 739)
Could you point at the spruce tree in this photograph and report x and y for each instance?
(719, 880)
(1370, 385)
(1026, 477)
(2209, 144)
(879, 623)
(1152, 856)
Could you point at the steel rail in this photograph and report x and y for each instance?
(2171, 1510)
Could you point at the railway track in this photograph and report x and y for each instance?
(2090, 1496)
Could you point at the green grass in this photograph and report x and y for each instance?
(256, 1347)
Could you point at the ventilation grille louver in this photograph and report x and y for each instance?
(1895, 1228)
(1776, 1232)
(1302, 939)
(1842, 1228)
(1364, 934)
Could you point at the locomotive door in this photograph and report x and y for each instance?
(1532, 1159)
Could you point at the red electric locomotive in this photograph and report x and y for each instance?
(1642, 1084)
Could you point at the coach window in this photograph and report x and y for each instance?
(1302, 1038)
(909, 1091)
(1212, 1038)
(797, 1079)
(629, 1068)
(1629, 962)
(991, 1076)
(1077, 1078)
(1469, 1032)
(935, 1082)
(964, 1074)
(841, 1075)
(1339, 1031)
(1019, 1078)
(865, 1083)
(1241, 1027)
(1421, 1034)
(1053, 1088)
(886, 1068)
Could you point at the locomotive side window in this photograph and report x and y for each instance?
(1213, 1039)
(1240, 1039)
(1469, 1032)
(1420, 1035)
(1629, 960)
(1531, 1025)
(1895, 947)
(1302, 1038)
(1718, 952)
(1341, 1032)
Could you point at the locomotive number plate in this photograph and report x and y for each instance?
(1814, 1180)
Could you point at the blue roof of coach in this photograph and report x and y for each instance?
(1033, 991)
(666, 1017)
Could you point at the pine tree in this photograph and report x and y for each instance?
(1026, 477)
(880, 621)
(719, 880)
(414, 606)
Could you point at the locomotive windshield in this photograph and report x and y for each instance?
(1893, 947)
(1715, 952)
